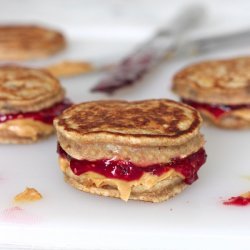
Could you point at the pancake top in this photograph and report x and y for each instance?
(222, 81)
(28, 42)
(24, 89)
(148, 123)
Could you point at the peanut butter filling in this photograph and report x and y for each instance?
(26, 128)
(124, 187)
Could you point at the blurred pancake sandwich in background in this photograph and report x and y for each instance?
(219, 89)
(29, 101)
(24, 42)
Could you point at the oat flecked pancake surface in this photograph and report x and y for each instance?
(23, 42)
(25, 89)
(220, 82)
(142, 123)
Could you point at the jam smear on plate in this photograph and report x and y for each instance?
(242, 200)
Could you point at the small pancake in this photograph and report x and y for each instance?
(215, 82)
(23, 42)
(26, 90)
(141, 123)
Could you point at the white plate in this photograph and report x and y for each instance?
(69, 219)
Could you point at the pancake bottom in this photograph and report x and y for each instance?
(162, 191)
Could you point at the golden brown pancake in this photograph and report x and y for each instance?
(224, 85)
(23, 93)
(142, 123)
(22, 42)
(143, 133)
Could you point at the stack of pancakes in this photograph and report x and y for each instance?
(24, 93)
(220, 90)
(130, 137)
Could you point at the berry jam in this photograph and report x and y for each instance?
(237, 201)
(44, 115)
(127, 171)
(216, 109)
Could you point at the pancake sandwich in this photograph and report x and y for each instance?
(220, 90)
(22, 42)
(29, 101)
(145, 150)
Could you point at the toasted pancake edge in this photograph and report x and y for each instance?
(131, 139)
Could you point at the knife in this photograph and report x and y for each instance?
(133, 67)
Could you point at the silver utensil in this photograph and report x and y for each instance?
(213, 43)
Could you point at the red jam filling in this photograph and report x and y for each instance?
(44, 115)
(216, 109)
(237, 201)
(127, 171)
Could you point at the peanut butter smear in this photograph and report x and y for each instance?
(29, 194)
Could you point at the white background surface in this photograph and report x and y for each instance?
(67, 218)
